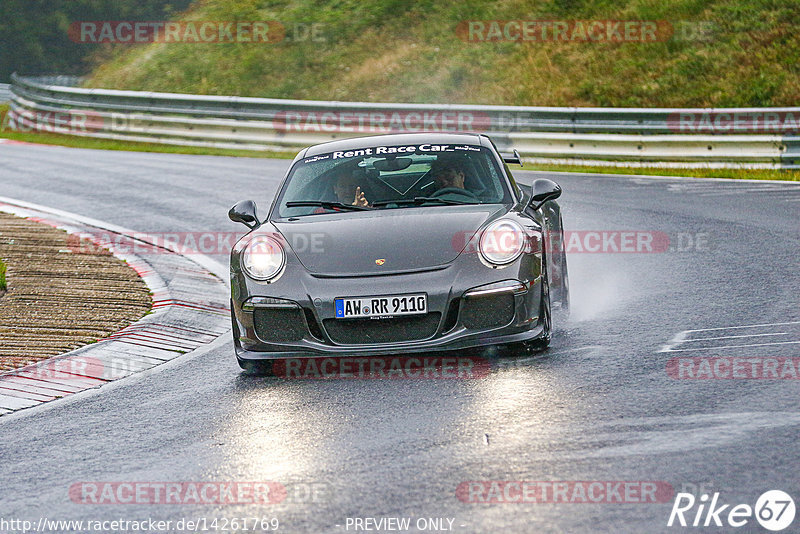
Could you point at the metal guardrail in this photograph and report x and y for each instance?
(754, 137)
(5, 93)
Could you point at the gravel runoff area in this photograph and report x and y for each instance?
(61, 294)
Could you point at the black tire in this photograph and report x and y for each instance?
(545, 319)
(564, 307)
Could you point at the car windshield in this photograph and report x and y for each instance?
(392, 177)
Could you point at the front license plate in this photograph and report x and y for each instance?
(383, 306)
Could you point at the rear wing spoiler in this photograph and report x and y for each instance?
(514, 157)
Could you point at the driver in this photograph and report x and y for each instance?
(346, 188)
(448, 174)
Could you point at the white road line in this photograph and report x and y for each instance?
(734, 327)
(731, 337)
(678, 179)
(676, 340)
(732, 346)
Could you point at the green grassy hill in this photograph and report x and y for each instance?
(717, 53)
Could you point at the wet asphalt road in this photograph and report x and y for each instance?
(599, 405)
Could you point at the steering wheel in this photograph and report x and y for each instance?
(454, 191)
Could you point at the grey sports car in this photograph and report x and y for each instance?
(400, 243)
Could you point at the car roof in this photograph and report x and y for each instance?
(355, 143)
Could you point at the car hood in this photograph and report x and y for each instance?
(384, 241)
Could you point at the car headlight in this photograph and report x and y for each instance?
(502, 242)
(263, 258)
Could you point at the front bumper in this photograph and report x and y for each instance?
(295, 315)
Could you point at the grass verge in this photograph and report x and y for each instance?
(132, 146)
(2, 276)
(46, 312)
(741, 174)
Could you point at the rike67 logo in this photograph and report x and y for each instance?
(774, 510)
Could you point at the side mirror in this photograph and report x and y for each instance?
(542, 191)
(244, 212)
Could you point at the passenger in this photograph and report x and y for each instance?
(449, 173)
(347, 190)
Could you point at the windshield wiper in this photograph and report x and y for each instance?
(325, 204)
(417, 201)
